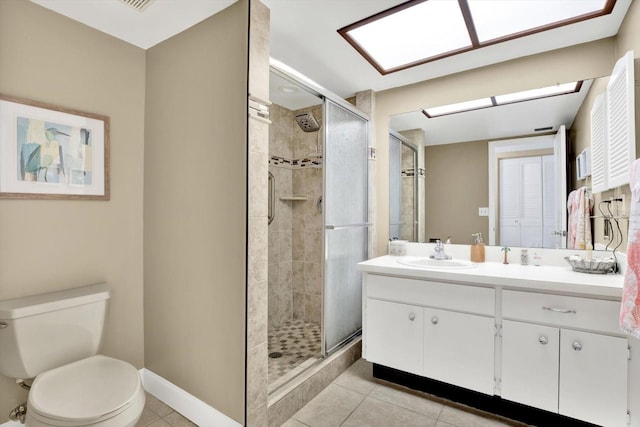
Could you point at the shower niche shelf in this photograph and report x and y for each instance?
(294, 198)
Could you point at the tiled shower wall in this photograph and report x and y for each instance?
(295, 235)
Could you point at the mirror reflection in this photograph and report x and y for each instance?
(403, 184)
(504, 171)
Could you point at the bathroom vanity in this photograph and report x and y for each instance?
(501, 336)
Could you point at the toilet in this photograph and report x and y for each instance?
(54, 339)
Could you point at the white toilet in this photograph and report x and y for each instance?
(55, 338)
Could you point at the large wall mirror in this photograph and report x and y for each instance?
(504, 170)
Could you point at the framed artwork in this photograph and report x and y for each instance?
(50, 152)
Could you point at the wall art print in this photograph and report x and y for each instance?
(49, 152)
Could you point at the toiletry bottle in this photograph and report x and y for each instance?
(589, 253)
(477, 249)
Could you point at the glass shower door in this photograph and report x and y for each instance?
(346, 222)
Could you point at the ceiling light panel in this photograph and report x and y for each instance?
(459, 107)
(496, 19)
(559, 89)
(426, 30)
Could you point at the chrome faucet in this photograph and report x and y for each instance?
(440, 251)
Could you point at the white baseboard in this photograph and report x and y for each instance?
(189, 406)
(11, 424)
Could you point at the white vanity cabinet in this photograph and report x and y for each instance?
(548, 364)
(396, 335)
(436, 330)
(459, 349)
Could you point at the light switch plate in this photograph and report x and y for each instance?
(483, 211)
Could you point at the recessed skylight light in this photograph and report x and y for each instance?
(544, 92)
(459, 107)
(420, 31)
(494, 101)
(495, 19)
(427, 29)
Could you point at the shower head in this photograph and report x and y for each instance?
(307, 122)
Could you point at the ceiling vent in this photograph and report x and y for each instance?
(139, 5)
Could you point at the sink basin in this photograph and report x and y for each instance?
(435, 264)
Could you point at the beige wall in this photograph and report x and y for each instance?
(195, 213)
(450, 167)
(47, 245)
(628, 38)
(573, 63)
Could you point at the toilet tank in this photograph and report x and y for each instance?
(42, 332)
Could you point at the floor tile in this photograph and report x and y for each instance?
(147, 417)
(408, 400)
(460, 418)
(359, 377)
(177, 420)
(376, 413)
(293, 423)
(157, 406)
(159, 423)
(329, 408)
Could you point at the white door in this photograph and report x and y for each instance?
(394, 335)
(530, 364)
(458, 349)
(593, 377)
(521, 201)
(509, 202)
(550, 204)
(560, 153)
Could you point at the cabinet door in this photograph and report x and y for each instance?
(458, 349)
(394, 335)
(593, 377)
(530, 364)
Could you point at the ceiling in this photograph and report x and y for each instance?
(304, 36)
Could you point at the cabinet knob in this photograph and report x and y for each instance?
(577, 346)
(412, 316)
(543, 340)
(434, 320)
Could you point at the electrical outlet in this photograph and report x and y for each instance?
(483, 211)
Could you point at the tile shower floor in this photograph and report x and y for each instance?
(297, 343)
(356, 399)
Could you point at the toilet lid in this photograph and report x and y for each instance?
(89, 389)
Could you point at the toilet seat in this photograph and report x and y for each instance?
(87, 392)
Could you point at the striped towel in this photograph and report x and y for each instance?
(630, 307)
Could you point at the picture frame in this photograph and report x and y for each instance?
(52, 152)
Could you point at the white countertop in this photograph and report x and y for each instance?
(560, 279)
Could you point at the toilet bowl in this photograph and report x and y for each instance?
(54, 338)
(96, 391)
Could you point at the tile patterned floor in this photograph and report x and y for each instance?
(297, 341)
(356, 399)
(157, 414)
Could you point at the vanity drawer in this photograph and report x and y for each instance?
(469, 299)
(563, 311)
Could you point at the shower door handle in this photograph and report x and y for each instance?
(345, 226)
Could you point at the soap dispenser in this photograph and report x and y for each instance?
(477, 249)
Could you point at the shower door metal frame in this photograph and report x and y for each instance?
(332, 227)
(304, 82)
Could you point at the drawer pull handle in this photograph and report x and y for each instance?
(558, 310)
(543, 340)
(577, 346)
(434, 320)
(412, 316)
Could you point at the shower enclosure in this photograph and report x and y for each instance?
(318, 224)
